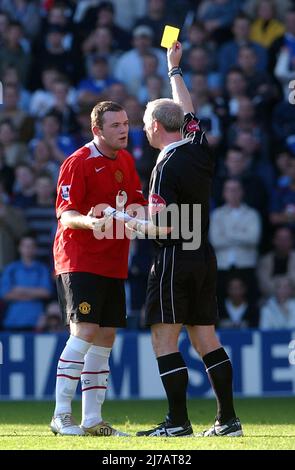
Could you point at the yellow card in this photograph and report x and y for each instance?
(169, 36)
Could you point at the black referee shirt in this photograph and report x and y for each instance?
(182, 177)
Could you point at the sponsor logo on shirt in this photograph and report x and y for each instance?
(65, 192)
(156, 204)
(192, 126)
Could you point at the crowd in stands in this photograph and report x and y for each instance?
(58, 58)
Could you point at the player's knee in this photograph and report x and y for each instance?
(87, 333)
(107, 336)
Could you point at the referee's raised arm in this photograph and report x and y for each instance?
(180, 92)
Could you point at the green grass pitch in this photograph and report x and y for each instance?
(268, 424)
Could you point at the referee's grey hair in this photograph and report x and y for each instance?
(168, 113)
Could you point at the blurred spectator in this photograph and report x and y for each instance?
(235, 232)
(58, 15)
(197, 36)
(6, 173)
(10, 77)
(99, 43)
(116, 92)
(99, 79)
(4, 24)
(227, 104)
(51, 321)
(22, 122)
(42, 161)
(25, 285)
(41, 217)
(128, 11)
(42, 99)
(12, 227)
(61, 106)
(104, 15)
(54, 54)
(246, 121)
(228, 54)
(139, 264)
(14, 151)
(217, 16)
(27, 12)
(279, 311)
(84, 133)
(283, 121)
(283, 44)
(282, 164)
(198, 62)
(157, 16)
(61, 145)
(144, 155)
(153, 89)
(129, 68)
(260, 86)
(13, 53)
(266, 27)
(24, 186)
(282, 209)
(281, 7)
(236, 311)
(279, 262)
(237, 166)
(205, 109)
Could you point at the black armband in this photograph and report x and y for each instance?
(175, 71)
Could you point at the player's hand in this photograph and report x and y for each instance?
(174, 55)
(99, 224)
(145, 227)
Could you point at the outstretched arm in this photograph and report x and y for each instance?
(180, 92)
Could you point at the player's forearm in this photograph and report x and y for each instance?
(75, 220)
(181, 94)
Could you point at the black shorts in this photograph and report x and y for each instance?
(87, 297)
(182, 287)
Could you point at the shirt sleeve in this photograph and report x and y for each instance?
(71, 187)
(192, 128)
(164, 194)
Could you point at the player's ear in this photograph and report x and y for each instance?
(96, 131)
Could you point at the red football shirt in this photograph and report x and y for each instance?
(87, 179)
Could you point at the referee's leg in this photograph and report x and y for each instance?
(172, 369)
(218, 367)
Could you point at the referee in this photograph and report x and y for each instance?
(182, 281)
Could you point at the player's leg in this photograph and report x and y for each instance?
(96, 367)
(76, 299)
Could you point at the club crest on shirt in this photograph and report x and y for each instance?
(192, 126)
(156, 204)
(84, 308)
(119, 176)
(65, 192)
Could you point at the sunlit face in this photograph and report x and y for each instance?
(114, 133)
